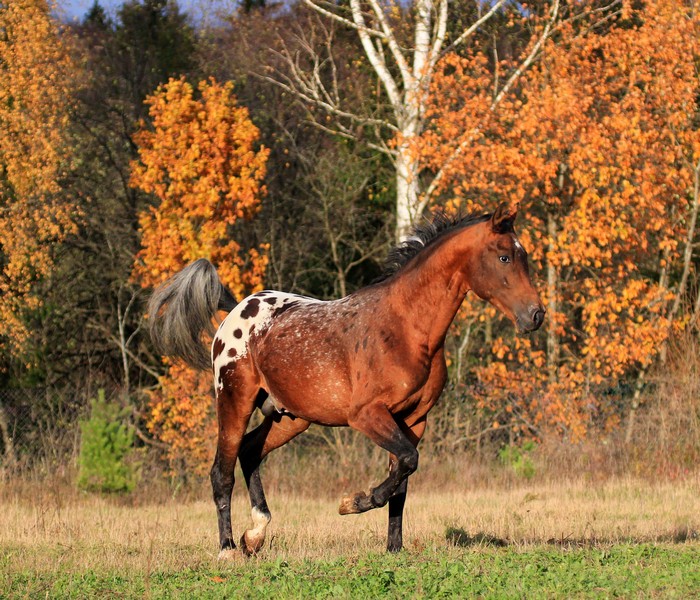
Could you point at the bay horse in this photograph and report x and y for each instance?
(373, 361)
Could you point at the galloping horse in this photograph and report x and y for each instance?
(373, 361)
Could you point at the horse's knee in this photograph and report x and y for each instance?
(409, 461)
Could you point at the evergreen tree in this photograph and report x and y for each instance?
(105, 448)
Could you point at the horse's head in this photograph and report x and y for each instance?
(501, 275)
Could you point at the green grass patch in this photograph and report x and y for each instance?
(487, 571)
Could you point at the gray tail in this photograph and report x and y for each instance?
(182, 309)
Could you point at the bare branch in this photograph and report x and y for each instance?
(390, 39)
(530, 57)
(313, 99)
(347, 22)
(440, 33)
(375, 60)
(474, 26)
(383, 148)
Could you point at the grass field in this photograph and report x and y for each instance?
(622, 538)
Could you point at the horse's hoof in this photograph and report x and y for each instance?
(352, 505)
(347, 506)
(229, 555)
(251, 544)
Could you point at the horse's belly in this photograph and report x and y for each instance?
(322, 404)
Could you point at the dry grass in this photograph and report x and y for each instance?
(44, 529)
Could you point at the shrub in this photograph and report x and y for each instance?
(519, 459)
(106, 446)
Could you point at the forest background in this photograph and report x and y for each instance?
(293, 145)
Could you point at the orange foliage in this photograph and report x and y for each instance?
(36, 80)
(202, 162)
(600, 147)
(181, 416)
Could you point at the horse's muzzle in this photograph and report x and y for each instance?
(533, 321)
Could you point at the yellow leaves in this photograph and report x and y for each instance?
(182, 417)
(600, 140)
(202, 162)
(36, 81)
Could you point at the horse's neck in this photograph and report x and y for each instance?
(431, 290)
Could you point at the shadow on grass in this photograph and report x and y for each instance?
(458, 537)
(679, 535)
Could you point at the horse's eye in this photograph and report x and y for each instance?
(504, 259)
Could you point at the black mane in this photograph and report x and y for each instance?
(424, 235)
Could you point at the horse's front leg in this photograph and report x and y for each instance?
(377, 423)
(414, 431)
(398, 500)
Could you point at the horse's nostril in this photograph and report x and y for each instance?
(538, 317)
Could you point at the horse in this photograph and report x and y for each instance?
(373, 360)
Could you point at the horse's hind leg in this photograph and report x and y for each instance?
(273, 432)
(235, 404)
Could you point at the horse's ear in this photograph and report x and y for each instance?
(502, 220)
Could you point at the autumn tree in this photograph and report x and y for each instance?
(600, 146)
(125, 58)
(328, 210)
(201, 160)
(36, 78)
(402, 46)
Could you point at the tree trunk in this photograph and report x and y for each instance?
(9, 447)
(552, 292)
(407, 193)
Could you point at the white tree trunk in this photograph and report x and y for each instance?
(407, 193)
(552, 295)
(405, 73)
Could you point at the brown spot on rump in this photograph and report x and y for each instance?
(232, 352)
(284, 308)
(252, 329)
(227, 373)
(238, 334)
(251, 308)
(271, 300)
(218, 348)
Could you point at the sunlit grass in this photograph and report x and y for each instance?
(69, 531)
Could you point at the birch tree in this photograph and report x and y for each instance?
(404, 47)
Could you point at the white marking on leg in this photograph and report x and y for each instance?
(255, 538)
(260, 520)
